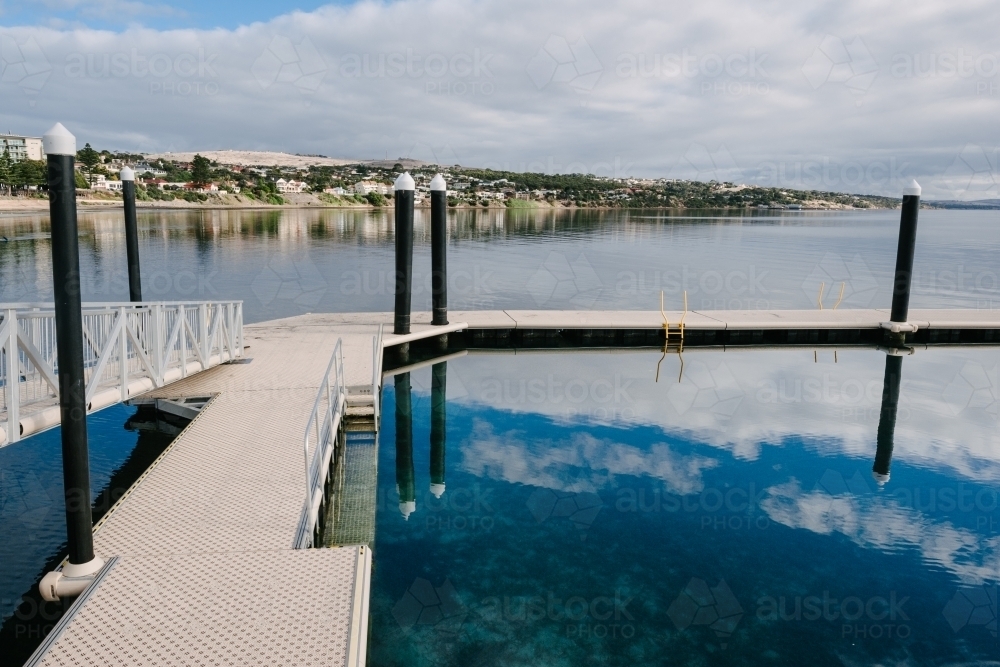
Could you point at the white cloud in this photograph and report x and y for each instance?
(579, 463)
(515, 83)
(887, 526)
(752, 398)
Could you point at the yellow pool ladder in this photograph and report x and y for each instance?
(822, 287)
(678, 332)
(679, 329)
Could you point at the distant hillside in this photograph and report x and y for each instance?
(979, 204)
(272, 159)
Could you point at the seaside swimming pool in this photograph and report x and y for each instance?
(549, 508)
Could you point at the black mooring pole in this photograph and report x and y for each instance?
(439, 249)
(904, 254)
(60, 146)
(439, 426)
(887, 419)
(405, 475)
(131, 235)
(404, 252)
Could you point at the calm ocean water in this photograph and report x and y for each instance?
(289, 262)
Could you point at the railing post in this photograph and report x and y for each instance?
(123, 352)
(131, 235)
(439, 249)
(239, 317)
(206, 353)
(13, 378)
(60, 147)
(404, 187)
(231, 330)
(157, 340)
(182, 334)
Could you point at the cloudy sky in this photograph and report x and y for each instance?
(850, 95)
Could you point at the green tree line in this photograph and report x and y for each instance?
(17, 177)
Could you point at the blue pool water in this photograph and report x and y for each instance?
(33, 520)
(591, 515)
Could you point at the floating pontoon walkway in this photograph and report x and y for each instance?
(202, 565)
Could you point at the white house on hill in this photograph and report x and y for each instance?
(290, 187)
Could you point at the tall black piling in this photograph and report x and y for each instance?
(403, 197)
(131, 235)
(903, 277)
(439, 249)
(405, 475)
(60, 147)
(887, 417)
(439, 426)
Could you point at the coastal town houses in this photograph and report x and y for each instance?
(101, 182)
(289, 187)
(368, 187)
(141, 168)
(22, 148)
(203, 188)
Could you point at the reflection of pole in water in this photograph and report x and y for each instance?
(404, 447)
(439, 378)
(887, 420)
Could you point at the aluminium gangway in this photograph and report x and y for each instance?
(129, 349)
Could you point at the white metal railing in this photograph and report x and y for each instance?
(128, 348)
(377, 375)
(319, 442)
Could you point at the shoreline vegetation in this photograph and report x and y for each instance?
(220, 180)
(92, 201)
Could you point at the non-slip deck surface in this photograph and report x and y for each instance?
(237, 608)
(206, 572)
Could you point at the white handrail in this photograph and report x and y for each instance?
(320, 437)
(129, 348)
(377, 375)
